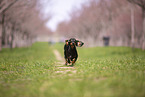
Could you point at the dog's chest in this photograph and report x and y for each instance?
(72, 50)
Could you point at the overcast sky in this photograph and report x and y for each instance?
(59, 10)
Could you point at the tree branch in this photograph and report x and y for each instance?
(7, 6)
(138, 2)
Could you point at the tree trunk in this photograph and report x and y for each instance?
(3, 29)
(0, 37)
(132, 26)
(143, 36)
(0, 33)
(12, 38)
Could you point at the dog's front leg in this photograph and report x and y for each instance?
(66, 62)
(73, 61)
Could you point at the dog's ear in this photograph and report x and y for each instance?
(80, 43)
(66, 42)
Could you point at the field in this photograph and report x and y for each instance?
(98, 72)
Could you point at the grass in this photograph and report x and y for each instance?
(23, 70)
(100, 71)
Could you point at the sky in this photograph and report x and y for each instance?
(59, 10)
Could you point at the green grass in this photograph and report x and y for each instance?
(23, 70)
(100, 71)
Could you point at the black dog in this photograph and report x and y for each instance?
(70, 52)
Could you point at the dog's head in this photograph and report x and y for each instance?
(72, 41)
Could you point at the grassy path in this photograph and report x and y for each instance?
(60, 67)
(57, 55)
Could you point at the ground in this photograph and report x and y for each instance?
(39, 71)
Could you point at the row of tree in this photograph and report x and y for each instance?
(20, 22)
(121, 20)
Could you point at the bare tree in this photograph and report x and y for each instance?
(141, 3)
(20, 22)
(105, 18)
(132, 26)
(4, 6)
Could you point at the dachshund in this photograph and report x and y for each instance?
(70, 51)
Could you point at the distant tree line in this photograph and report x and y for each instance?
(121, 20)
(20, 22)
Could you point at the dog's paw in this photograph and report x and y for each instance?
(73, 61)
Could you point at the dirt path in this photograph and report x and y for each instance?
(60, 64)
(57, 55)
(60, 69)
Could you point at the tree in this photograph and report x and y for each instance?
(141, 3)
(20, 22)
(4, 6)
(105, 18)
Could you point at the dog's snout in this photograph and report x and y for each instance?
(72, 43)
